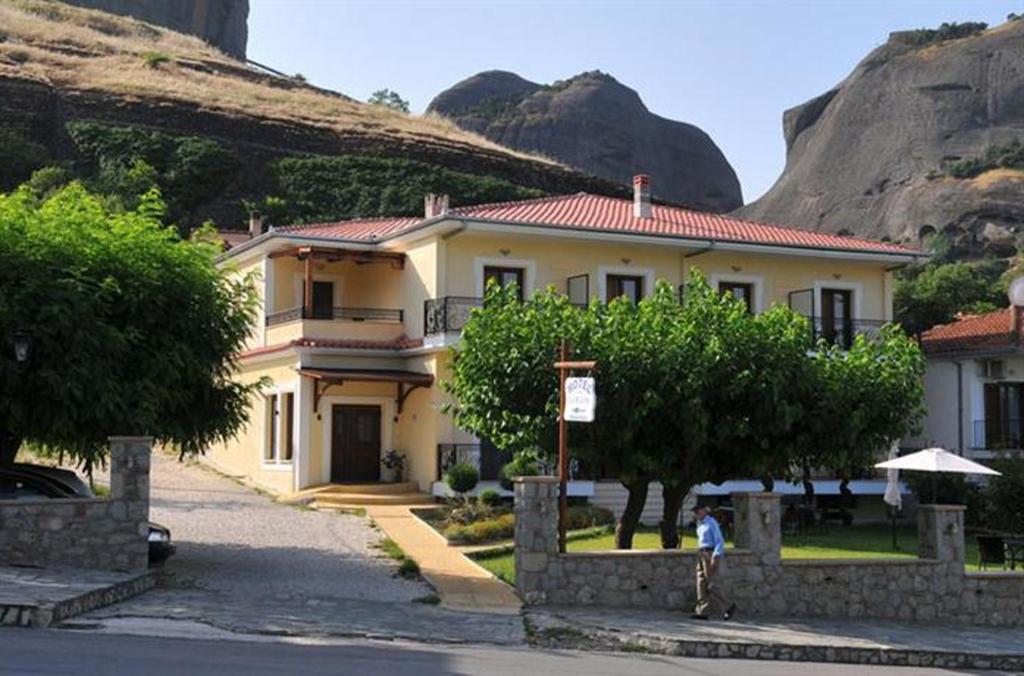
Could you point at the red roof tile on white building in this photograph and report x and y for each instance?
(598, 213)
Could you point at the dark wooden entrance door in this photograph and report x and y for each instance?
(355, 443)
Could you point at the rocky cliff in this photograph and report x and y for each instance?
(918, 139)
(594, 123)
(222, 23)
(97, 94)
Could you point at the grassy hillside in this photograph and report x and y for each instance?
(122, 103)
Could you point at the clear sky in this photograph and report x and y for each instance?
(729, 67)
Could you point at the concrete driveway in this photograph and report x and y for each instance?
(247, 564)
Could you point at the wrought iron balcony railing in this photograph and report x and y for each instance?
(998, 435)
(441, 315)
(842, 332)
(350, 314)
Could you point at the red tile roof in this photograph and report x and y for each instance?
(400, 343)
(972, 333)
(598, 213)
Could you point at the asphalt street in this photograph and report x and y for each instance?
(24, 651)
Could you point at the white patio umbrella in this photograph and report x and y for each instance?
(937, 460)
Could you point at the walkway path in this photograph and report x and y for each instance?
(247, 564)
(461, 584)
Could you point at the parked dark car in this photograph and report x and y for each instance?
(38, 482)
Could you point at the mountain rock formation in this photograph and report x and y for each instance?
(888, 152)
(594, 123)
(222, 23)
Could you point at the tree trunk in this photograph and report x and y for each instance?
(672, 502)
(9, 445)
(626, 527)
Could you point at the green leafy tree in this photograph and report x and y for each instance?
(935, 293)
(132, 329)
(389, 99)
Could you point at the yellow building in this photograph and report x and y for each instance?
(357, 317)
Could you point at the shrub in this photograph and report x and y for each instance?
(491, 530)
(1004, 497)
(588, 516)
(21, 156)
(468, 511)
(489, 497)
(1007, 156)
(526, 463)
(461, 477)
(947, 31)
(324, 188)
(155, 59)
(48, 180)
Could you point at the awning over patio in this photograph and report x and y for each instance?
(406, 381)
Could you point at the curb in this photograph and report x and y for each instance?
(552, 633)
(44, 615)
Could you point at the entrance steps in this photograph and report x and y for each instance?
(356, 495)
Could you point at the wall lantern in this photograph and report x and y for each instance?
(22, 347)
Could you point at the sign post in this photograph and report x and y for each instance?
(578, 405)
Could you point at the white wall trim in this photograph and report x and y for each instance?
(529, 272)
(856, 287)
(757, 281)
(387, 425)
(604, 270)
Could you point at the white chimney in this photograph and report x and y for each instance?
(435, 205)
(255, 224)
(641, 196)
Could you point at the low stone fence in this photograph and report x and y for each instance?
(99, 533)
(931, 588)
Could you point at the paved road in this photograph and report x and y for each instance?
(248, 564)
(87, 653)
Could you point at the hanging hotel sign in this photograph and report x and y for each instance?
(580, 399)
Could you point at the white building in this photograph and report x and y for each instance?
(974, 385)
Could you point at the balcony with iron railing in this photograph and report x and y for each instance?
(997, 435)
(447, 314)
(843, 332)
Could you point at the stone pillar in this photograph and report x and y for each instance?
(536, 536)
(129, 500)
(758, 525)
(940, 533)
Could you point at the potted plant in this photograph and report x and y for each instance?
(394, 462)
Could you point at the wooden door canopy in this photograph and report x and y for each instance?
(358, 256)
(405, 381)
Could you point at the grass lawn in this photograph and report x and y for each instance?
(856, 542)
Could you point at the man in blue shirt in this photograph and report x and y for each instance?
(710, 551)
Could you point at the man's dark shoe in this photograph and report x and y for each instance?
(727, 615)
(698, 616)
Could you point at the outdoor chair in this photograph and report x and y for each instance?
(991, 551)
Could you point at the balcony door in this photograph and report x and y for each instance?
(630, 286)
(503, 277)
(1004, 408)
(743, 291)
(323, 300)
(837, 316)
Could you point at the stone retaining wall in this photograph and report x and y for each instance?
(923, 589)
(98, 533)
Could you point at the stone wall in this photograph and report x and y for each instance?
(97, 533)
(927, 589)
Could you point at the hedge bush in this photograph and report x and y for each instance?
(327, 188)
(492, 530)
(461, 477)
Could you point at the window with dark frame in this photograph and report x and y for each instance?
(837, 316)
(289, 426)
(505, 276)
(630, 286)
(743, 291)
(1004, 408)
(270, 452)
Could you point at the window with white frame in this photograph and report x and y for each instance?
(278, 444)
